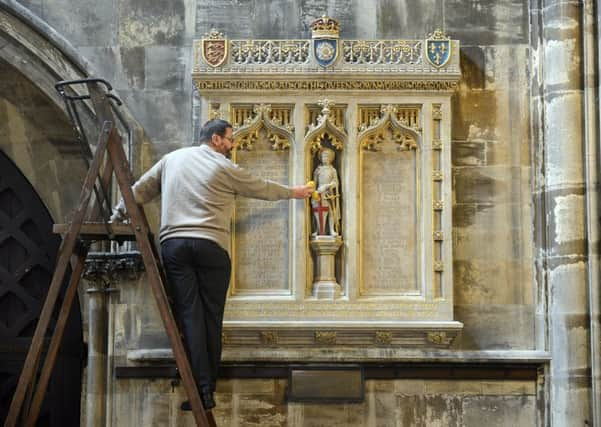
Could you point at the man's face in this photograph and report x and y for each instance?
(224, 144)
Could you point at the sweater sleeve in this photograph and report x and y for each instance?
(149, 185)
(246, 185)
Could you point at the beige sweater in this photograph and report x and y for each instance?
(198, 187)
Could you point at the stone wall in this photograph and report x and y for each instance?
(144, 48)
(262, 403)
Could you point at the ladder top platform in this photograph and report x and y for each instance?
(98, 231)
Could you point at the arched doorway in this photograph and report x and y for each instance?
(28, 251)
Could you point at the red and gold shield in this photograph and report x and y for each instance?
(214, 50)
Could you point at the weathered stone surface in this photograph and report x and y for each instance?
(469, 153)
(494, 326)
(274, 19)
(473, 67)
(262, 403)
(338, 415)
(488, 184)
(107, 63)
(567, 227)
(492, 282)
(564, 156)
(85, 22)
(474, 116)
(430, 410)
(167, 68)
(133, 60)
(573, 298)
(485, 22)
(415, 19)
(162, 113)
(561, 29)
(143, 23)
(499, 411)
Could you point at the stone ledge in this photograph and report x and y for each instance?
(354, 355)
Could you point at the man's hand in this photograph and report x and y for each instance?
(119, 212)
(302, 191)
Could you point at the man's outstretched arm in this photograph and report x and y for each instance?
(145, 189)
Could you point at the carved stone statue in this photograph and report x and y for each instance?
(325, 202)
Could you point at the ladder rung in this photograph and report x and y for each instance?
(98, 231)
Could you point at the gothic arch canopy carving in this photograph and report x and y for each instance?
(280, 135)
(326, 126)
(407, 137)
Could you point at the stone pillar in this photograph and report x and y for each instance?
(562, 215)
(592, 73)
(102, 270)
(97, 354)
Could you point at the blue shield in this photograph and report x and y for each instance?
(438, 52)
(325, 51)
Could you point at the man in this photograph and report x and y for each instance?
(198, 186)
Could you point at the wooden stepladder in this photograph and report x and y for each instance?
(108, 158)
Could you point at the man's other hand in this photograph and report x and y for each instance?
(302, 191)
(119, 212)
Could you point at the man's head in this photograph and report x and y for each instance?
(217, 134)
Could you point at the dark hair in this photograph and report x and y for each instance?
(212, 127)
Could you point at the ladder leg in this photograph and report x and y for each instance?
(67, 248)
(57, 337)
(211, 419)
(140, 227)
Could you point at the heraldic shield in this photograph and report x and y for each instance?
(438, 49)
(325, 51)
(214, 48)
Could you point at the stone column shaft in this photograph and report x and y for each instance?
(97, 357)
(592, 73)
(562, 194)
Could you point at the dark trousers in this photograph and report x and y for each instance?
(198, 271)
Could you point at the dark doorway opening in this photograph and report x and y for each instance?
(28, 251)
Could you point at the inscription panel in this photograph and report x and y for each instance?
(389, 221)
(262, 228)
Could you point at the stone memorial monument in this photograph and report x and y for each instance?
(368, 260)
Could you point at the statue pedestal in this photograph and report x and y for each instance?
(324, 283)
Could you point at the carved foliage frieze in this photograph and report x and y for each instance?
(377, 52)
(270, 52)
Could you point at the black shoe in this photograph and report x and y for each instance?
(208, 402)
